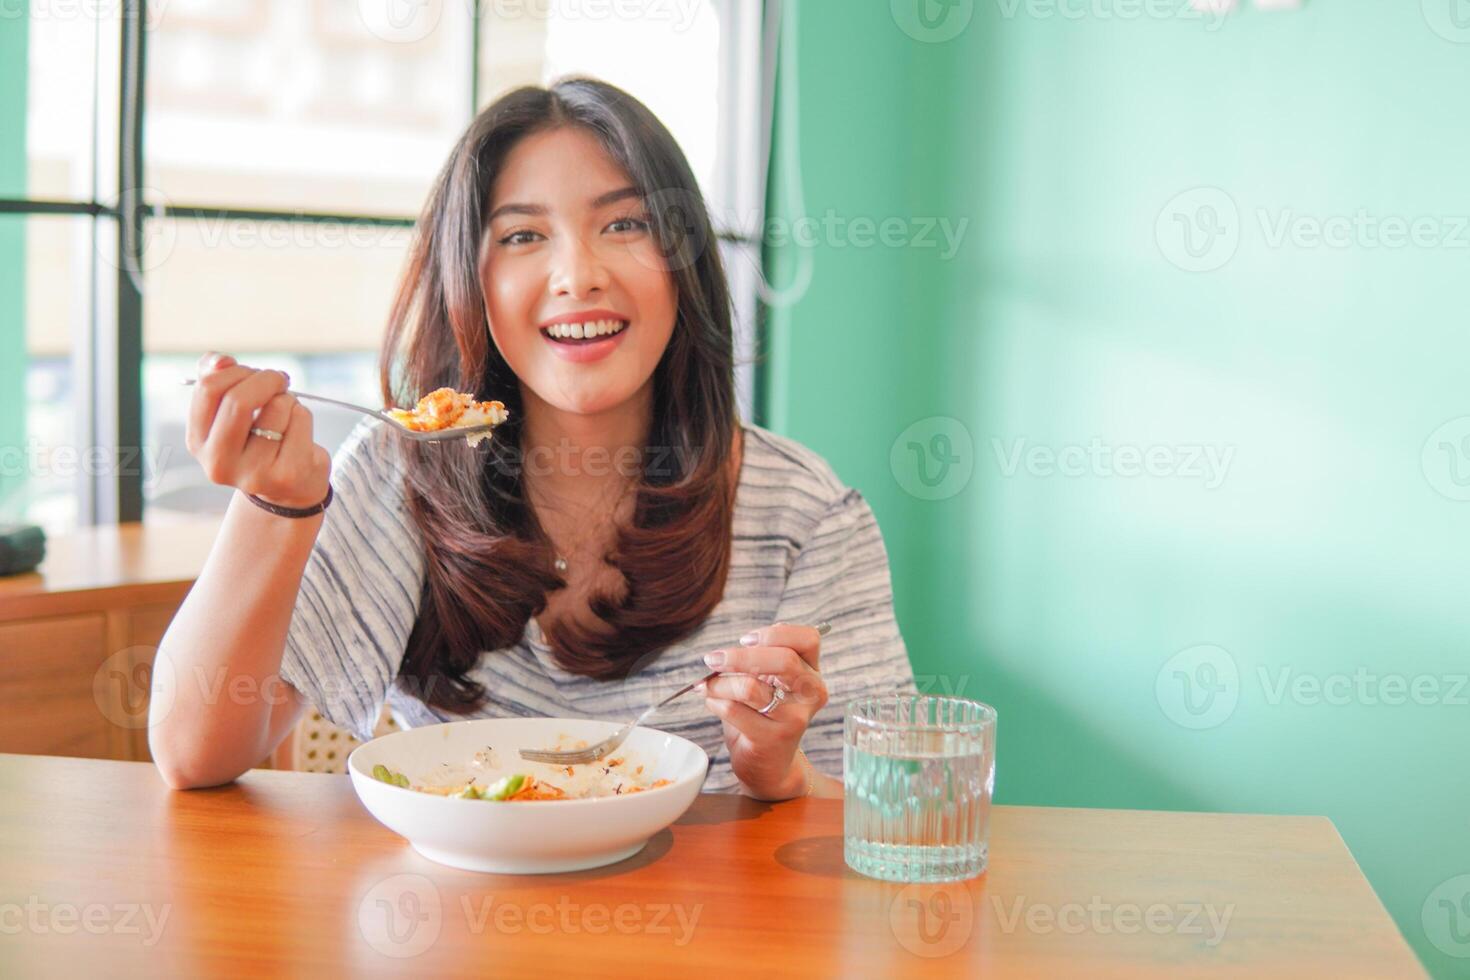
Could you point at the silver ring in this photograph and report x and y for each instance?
(778, 694)
(270, 434)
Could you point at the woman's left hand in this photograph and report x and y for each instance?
(763, 747)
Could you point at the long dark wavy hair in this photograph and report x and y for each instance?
(489, 562)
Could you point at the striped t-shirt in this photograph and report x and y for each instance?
(805, 548)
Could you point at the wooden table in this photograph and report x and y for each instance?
(104, 871)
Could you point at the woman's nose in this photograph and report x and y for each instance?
(578, 270)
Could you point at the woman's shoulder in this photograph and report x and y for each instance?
(779, 469)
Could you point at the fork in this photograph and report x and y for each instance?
(575, 757)
(438, 435)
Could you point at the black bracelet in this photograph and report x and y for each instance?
(280, 511)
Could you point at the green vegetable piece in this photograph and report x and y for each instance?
(503, 788)
(468, 793)
(385, 775)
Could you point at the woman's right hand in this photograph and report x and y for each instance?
(229, 400)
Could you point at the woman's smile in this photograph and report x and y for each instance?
(585, 337)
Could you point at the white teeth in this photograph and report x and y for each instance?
(588, 329)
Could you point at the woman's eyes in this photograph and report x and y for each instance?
(618, 226)
(514, 238)
(637, 224)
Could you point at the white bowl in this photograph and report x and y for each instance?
(529, 837)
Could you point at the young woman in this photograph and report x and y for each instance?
(620, 536)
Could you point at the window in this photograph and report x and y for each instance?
(45, 270)
(49, 260)
(271, 157)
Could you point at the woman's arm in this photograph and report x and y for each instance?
(218, 705)
(841, 575)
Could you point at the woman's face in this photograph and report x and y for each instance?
(568, 247)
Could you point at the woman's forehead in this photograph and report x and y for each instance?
(566, 168)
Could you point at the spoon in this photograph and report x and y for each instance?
(439, 435)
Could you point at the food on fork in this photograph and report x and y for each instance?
(450, 409)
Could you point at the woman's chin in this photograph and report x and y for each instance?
(585, 397)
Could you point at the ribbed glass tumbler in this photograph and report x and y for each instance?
(919, 772)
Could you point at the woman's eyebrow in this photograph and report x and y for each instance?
(600, 201)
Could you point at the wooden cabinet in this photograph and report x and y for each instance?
(77, 638)
(47, 675)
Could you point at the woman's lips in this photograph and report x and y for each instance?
(585, 351)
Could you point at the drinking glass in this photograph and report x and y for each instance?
(919, 772)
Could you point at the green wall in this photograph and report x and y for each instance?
(1331, 549)
(13, 44)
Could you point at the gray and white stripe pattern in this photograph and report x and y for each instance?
(806, 548)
